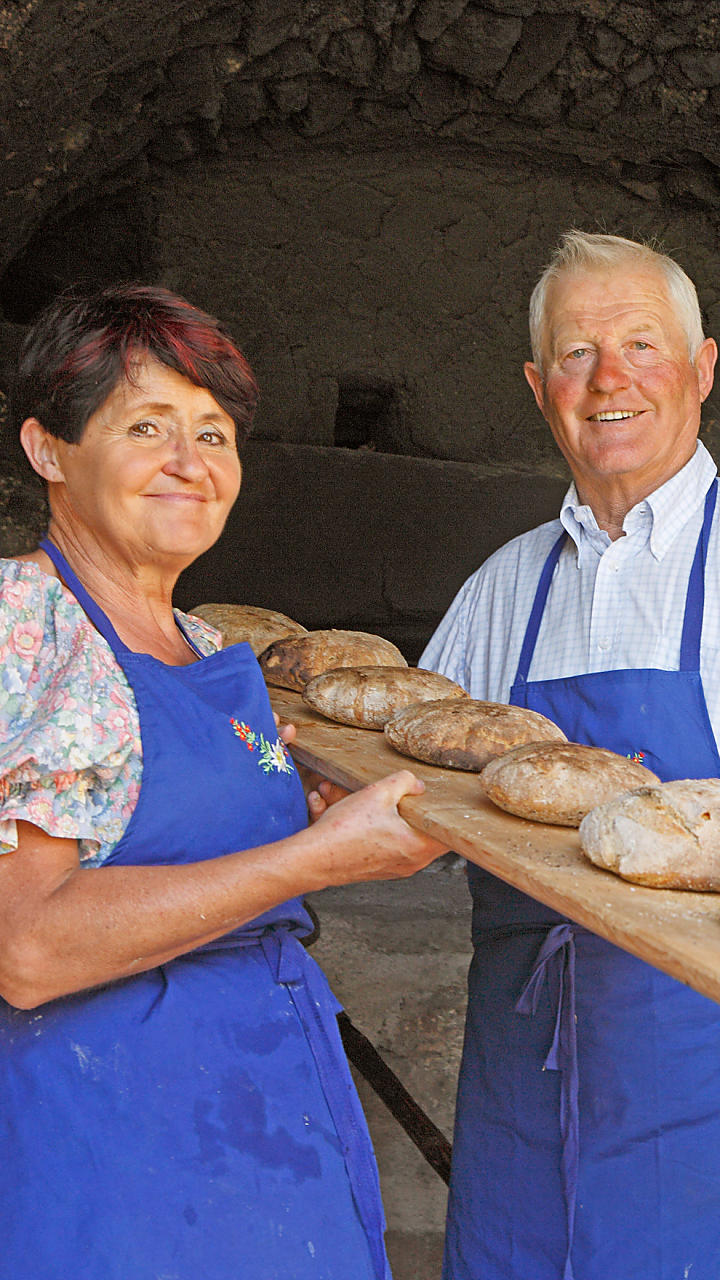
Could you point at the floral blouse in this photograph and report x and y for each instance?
(70, 749)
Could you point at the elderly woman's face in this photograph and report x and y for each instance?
(156, 470)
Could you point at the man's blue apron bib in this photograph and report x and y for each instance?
(587, 1143)
(198, 1121)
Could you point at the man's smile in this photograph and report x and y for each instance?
(615, 415)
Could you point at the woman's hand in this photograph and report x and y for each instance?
(364, 837)
(287, 732)
(322, 794)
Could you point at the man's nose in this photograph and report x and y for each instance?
(610, 371)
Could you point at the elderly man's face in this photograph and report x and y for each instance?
(619, 390)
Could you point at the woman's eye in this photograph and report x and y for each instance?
(212, 436)
(143, 428)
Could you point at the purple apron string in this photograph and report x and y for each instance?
(556, 963)
(290, 965)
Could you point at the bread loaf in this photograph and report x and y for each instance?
(559, 782)
(666, 836)
(465, 733)
(366, 697)
(291, 662)
(237, 622)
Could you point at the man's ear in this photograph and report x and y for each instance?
(41, 450)
(534, 377)
(705, 365)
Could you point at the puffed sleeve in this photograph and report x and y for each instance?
(70, 753)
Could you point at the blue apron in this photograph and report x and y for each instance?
(198, 1121)
(587, 1140)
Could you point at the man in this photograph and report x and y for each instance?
(587, 1141)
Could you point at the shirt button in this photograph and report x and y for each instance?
(603, 645)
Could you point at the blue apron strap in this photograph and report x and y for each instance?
(290, 964)
(100, 620)
(695, 599)
(559, 971)
(536, 613)
(86, 602)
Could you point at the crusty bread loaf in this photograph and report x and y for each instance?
(366, 697)
(291, 662)
(249, 622)
(466, 733)
(559, 782)
(666, 836)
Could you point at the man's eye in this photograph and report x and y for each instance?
(577, 353)
(639, 345)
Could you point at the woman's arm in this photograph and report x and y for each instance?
(65, 928)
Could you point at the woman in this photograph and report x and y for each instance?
(174, 1096)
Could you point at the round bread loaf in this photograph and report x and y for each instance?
(291, 662)
(559, 782)
(464, 733)
(248, 622)
(366, 697)
(666, 836)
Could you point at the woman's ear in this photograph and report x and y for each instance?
(41, 449)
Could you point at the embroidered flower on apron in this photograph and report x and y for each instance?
(272, 756)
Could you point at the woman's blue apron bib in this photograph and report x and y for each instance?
(587, 1140)
(197, 1122)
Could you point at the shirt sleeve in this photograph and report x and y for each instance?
(445, 651)
(70, 752)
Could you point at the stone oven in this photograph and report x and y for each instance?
(364, 192)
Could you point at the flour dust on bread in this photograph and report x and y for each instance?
(559, 782)
(666, 836)
(466, 733)
(256, 626)
(291, 662)
(367, 697)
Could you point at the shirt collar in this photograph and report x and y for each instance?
(663, 514)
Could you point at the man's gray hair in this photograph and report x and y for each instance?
(586, 251)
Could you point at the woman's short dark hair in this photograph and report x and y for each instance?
(83, 344)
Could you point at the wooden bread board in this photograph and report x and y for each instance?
(676, 931)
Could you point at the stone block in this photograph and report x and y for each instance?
(701, 66)
(477, 46)
(403, 63)
(351, 55)
(544, 40)
(433, 17)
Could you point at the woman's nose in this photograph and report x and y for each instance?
(185, 458)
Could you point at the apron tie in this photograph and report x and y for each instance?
(317, 1009)
(555, 963)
